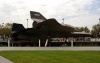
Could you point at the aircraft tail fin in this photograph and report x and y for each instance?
(17, 27)
(36, 16)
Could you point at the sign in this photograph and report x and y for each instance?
(58, 39)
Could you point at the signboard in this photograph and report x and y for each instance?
(58, 39)
(61, 39)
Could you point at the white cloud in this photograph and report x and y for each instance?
(98, 9)
(84, 20)
(72, 7)
(19, 10)
(76, 10)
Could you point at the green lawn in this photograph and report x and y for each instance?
(52, 56)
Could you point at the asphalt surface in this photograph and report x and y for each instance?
(49, 48)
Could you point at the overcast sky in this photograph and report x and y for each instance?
(77, 13)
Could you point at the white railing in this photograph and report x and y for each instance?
(95, 39)
(80, 39)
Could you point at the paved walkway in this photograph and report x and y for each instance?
(49, 48)
(4, 60)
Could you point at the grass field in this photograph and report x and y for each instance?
(52, 56)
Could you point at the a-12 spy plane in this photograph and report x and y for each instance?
(43, 29)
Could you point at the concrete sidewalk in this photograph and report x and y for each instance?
(4, 60)
(50, 48)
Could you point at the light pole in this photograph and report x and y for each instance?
(27, 23)
(3, 31)
(3, 28)
(63, 21)
(99, 28)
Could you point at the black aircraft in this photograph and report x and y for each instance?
(43, 29)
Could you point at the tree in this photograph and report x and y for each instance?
(5, 29)
(81, 29)
(96, 30)
(86, 29)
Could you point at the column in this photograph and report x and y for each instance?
(8, 42)
(46, 43)
(39, 43)
(71, 43)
